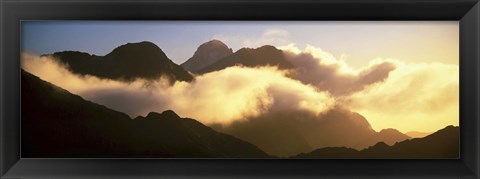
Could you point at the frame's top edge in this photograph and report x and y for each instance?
(247, 1)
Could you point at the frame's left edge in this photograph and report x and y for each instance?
(9, 81)
(2, 118)
(477, 9)
(1, 93)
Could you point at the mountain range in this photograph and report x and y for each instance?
(55, 116)
(146, 60)
(444, 143)
(214, 55)
(58, 124)
(127, 62)
(290, 133)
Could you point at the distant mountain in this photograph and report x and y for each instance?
(441, 144)
(290, 133)
(388, 136)
(127, 62)
(207, 54)
(56, 123)
(263, 56)
(416, 134)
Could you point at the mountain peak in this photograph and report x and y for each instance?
(139, 48)
(389, 131)
(152, 115)
(142, 43)
(261, 48)
(207, 54)
(213, 49)
(268, 47)
(213, 42)
(450, 127)
(380, 145)
(168, 114)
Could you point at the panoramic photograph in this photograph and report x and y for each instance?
(240, 89)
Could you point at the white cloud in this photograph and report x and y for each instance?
(321, 69)
(422, 97)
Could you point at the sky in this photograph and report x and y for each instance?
(401, 75)
(356, 42)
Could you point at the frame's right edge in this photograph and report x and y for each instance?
(2, 165)
(470, 88)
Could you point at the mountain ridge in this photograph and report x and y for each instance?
(85, 129)
(288, 133)
(443, 143)
(266, 55)
(127, 62)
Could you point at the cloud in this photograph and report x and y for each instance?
(422, 97)
(232, 94)
(274, 36)
(317, 67)
(388, 92)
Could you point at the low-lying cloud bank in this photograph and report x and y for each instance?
(388, 92)
(220, 97)
(321, 69)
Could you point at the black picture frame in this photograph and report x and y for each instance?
(12, 12)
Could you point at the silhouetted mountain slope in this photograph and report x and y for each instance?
(389, 136)
(263, 56)
(416, 134)
(290, 133)
(56, 123)
(127, 62)
(441, 144)
(444, 143)
(207, 54)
